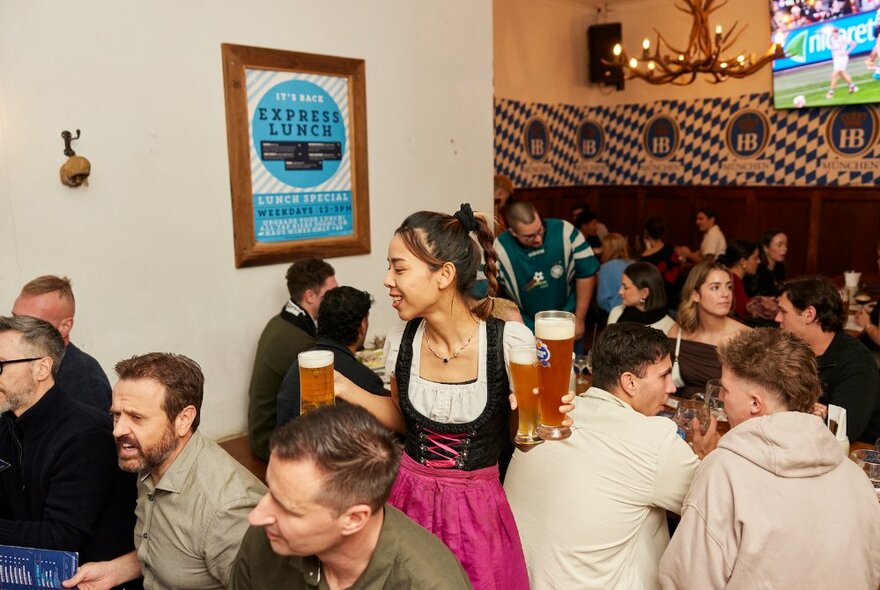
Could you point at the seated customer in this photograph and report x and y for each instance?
(704, 322)
(325, 523)
(810, 307)
(644, 298)
(741, 259)
(591, 509)
(193, 497)
(615, 258)
(713, 244)
(588, 223)
(343, 319)
(771, 271)
(776, 505)
(60, 487)
(661, 255)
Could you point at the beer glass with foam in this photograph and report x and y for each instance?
(554, 333)
(524, 374)
(315, 380)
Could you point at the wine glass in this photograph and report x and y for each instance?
(713, 391)
(581, 362)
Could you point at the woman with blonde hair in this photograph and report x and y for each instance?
(704, 322)
(615, 258)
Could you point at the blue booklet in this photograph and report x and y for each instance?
(23, 568)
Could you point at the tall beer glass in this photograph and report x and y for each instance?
(315, 380)
(524, 374)
(554, 331)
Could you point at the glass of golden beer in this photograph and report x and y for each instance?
(315, 380)
(524, 374)
(554, 333)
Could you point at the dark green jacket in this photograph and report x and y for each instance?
(285, 336)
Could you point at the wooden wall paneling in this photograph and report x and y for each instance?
(847, 238)
(618, 212)
(675, 208)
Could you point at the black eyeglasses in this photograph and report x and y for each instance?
(4, 363)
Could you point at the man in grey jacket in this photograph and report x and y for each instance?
(777, 504)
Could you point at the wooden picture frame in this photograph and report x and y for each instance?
(296, 129)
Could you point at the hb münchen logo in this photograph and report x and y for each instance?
(747, 133)
(852, 130)
(536, 139)
(661, 137)
(591, 140)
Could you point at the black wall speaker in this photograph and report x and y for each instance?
(600, 43)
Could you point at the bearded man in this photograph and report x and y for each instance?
(60, 487)
(193, 497)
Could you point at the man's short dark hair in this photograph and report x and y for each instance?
(584, 217)
(307, 274)
(181, 377)
(520, 212)
(40, 337)
(655, 227)
(626, 347)
(819, 292)
(709, 212)
(341, 312)
(777, 361)
(356, 456)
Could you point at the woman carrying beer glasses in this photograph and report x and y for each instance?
(450, 392)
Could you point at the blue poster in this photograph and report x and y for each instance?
(300, 156)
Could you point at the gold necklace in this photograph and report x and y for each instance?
(446, 359)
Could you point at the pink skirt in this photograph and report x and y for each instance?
(469, 512)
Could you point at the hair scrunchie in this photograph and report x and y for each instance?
(465, 216)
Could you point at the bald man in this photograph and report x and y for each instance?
(50, 299)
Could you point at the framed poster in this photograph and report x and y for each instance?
(297, 136)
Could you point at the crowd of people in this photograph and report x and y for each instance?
(417, 484)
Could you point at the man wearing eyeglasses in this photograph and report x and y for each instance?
(60, 487)
(545, 264)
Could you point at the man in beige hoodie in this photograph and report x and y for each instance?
(777, 504)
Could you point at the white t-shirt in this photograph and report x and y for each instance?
(662, 324)
(451, 403)
(714, 243)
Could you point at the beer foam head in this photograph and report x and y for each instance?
(523, 355)
(315, 359)
(553, 328)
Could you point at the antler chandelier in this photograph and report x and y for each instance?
(704, 53)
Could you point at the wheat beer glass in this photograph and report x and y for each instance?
(554, 333)
(315, 380)
(524, 374)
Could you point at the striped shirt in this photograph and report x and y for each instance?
(543, 278)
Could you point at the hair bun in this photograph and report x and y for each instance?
(465, 216)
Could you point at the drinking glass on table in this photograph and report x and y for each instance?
(688, 410)
(315, 380)
(524, 374)
(582, 362)
(554, 333)
(713, 400)
(869, 461)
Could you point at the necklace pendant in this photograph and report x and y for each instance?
(446, 361)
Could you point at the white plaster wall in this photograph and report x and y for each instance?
(148, 243)
(541, 48)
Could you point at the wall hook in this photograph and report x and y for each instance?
(68, 137)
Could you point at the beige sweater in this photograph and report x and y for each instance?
(777, 505)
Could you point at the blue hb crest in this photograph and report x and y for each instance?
(747, 133)
(536, 139)
(591, 140)
(851, 131)
(661, 136)
(543, 353)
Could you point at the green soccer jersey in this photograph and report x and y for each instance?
(543, 278)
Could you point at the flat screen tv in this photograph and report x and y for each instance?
(831, 52)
